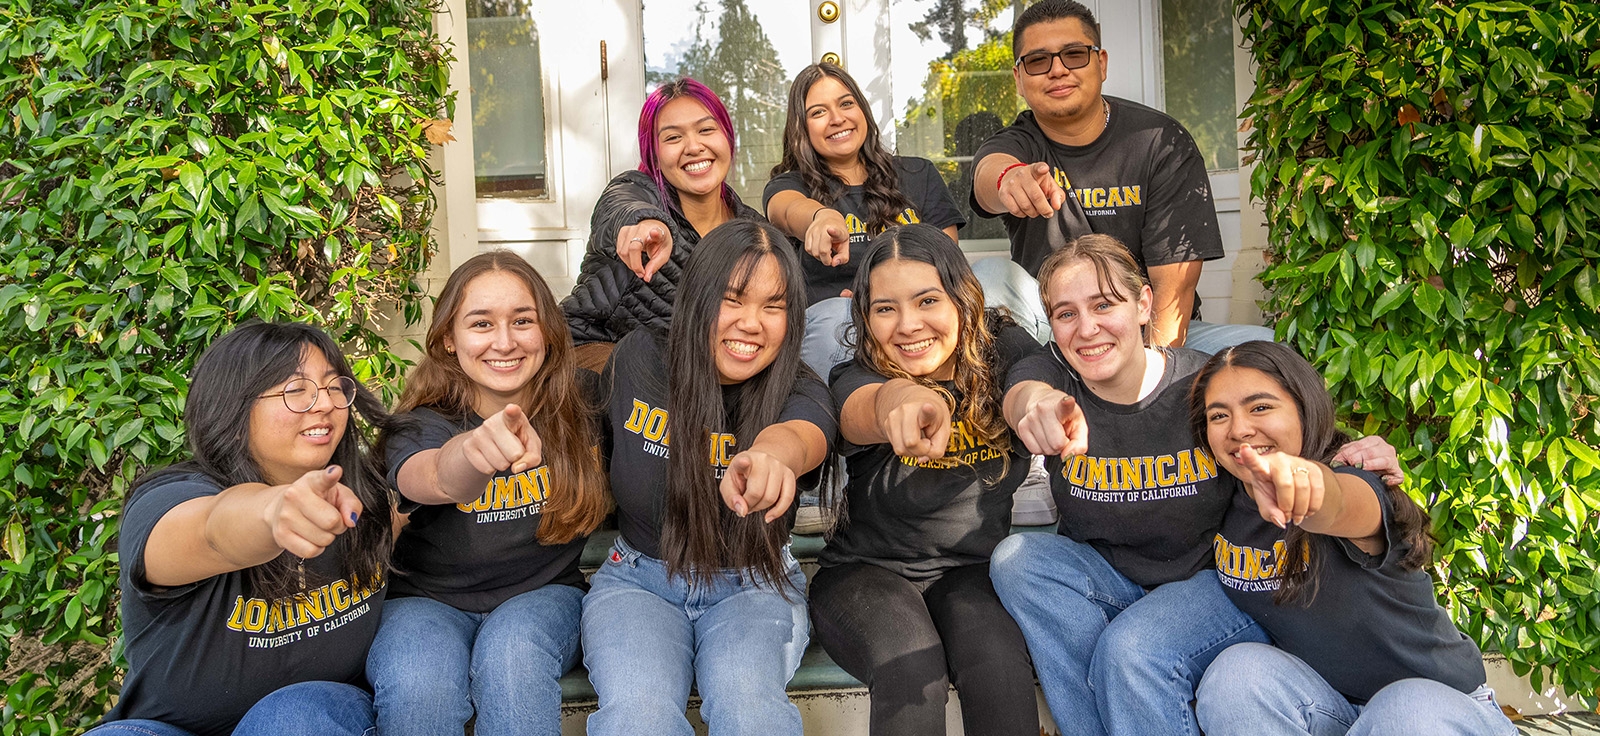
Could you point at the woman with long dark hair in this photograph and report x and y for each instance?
(1332, 564)
(253, 573)
(1121, 608)
(495, 465)
(700, 587)
(648, 221)
(837, 186)
(903, 601)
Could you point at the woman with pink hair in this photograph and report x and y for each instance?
(648, 221)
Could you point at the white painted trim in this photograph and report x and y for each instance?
(457, 195)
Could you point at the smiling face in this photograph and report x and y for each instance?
(691, 149)
(1245, 406)
(1099, 335)
(497, 339)
(913, 319)
(286, 445)
(751, 324)
(835, 122)
(1062, 95)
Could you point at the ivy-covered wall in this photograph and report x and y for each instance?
(1431, 177)
(169, 168)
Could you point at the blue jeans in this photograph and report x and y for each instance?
(1006, 284)
(1113, 658)
(432, 665)
(823, 346)
(647, 637)
(1258, 688)
(329, 708)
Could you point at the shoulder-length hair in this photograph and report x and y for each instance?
(225, 385)
(701, 534)
(882, 189)
(649, 151)
(977, 348)
(553, 399)
(1320, 439)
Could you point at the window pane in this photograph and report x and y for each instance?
(508, 113)
(744, 51)
(1197, 55)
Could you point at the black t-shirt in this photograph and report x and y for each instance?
(635, 437)
(920, 184)
(1142, 181)
(1371, 623)
(1146, 495)
(475, 556)
(201, 655)
(920, 519)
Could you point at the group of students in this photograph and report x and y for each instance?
(1224, 561)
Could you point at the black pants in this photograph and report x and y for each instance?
(909, 645)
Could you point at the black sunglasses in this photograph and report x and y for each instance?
(1072, 57)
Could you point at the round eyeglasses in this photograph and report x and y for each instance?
(300, 395)
(1072, 57)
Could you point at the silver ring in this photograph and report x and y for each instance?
(1302, 471)
(636, 240)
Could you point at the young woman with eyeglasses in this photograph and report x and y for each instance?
(496, 466)
(254, 573)
(648, 221)
(837, 186)
(708, 428)
(903, 601)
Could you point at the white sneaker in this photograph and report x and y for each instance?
(1032, 505)
(812, 520)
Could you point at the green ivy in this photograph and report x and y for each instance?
(1430, 173)
(169, 168)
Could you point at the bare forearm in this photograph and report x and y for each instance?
(984, 178)
(237, 527)
(1172, 287)
(1019, 398)
(442, 476)
(792, 212)
(800, 445)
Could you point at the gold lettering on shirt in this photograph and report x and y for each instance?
(1146, 478)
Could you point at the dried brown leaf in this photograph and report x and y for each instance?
(438, 131)
(1408, 115)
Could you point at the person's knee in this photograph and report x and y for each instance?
(1420, 707)
(1011, 565)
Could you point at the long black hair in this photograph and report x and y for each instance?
(223, 389)
(701, 534)
(977, 349)
(1320, 440)
(881, 191)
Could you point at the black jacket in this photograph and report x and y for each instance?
(609, 301)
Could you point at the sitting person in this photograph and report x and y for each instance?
(495, 464)
(253, 573)
(834, 189)
(648, 221)
(707, 430)
(903, 601)
(1332, 565)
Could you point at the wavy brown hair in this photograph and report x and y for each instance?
(977, 349)
(882, 189)
(553, 399)
(1320, 439)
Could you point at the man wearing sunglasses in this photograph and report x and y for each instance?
(1078, 161)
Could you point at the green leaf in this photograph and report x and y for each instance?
(1583, 453)
(1391, 299)
(16, 542)
(391, 208)
(1428, 299)
(1584, 284)
(192, 179)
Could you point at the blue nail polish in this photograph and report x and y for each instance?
(352, 517)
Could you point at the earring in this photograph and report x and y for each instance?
(450, 350)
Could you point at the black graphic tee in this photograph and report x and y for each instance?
(920, 184)
(475, 556)
(201, 655)
(1371, 622)
(1146, 495)
(920, 519)
(1143, 181)
(636, 439)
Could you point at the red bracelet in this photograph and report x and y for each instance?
(1003, 173)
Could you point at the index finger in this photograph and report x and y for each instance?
(733, 483)
(631, 254)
